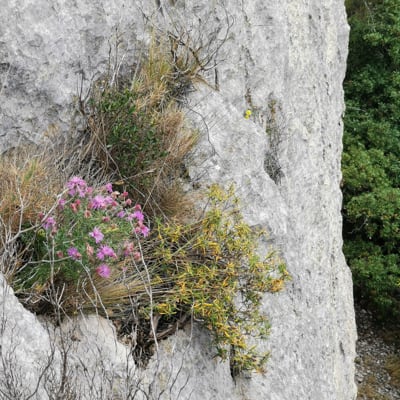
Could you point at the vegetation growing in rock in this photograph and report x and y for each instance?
(371, 159)
(90, 247)
(138, 133)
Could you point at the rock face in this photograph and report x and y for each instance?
(284, 61)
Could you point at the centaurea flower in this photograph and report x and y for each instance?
(108, 187)
(77, 185)
(97, 235)
(105, 251)
(49, 223)
(103, 270)
(97, 202)
(74, 253)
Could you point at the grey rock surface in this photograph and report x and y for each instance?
(25, 348)
(285, 61)
(81, 359)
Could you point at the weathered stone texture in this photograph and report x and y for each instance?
(286, 62)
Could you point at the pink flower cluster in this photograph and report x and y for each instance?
(103, 270)
(77, 186)
(103, 211)
(49, 224)
(97, 235)
(74, 253)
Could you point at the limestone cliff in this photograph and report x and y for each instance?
(285, 61)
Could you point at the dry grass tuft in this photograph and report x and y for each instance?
(392, 366)
(139, 134)
(28, 186)
(368, 390)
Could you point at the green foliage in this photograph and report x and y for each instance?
(137, 132)
(208, 268)
(219, 277)
(133, 141)
(371, 159)
(91, 234)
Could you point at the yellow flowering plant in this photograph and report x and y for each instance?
(213, 271)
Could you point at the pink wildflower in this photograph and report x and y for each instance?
(97, 202)
(137, 207)
(103, 270)
(105, 251)
(97, 235)
(143, 229)
(128, 248)
(138, 215)
(108, 187)
(49, 223)
(110, 201)
(77, 185)
(128, 202)
(87, 214)
(121, 214)
(137, 256)
(59, 254)
(106, 219)
(89, 250)
(74, 253)
(61, 203)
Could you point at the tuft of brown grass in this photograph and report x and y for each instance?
(392, 366)
(28, 186)
(368, 390)
(139, 134)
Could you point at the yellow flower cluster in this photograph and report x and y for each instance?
(247, 114)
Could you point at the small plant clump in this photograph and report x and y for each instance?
(247, 114)
(139, 134)
(90, 234)
(26, 185)
(218, 276)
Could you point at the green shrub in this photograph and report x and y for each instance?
(139, 134)
(371, 166)
(218, 276)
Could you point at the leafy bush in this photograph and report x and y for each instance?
(139, 134)
(371, 166)
(219, 277)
